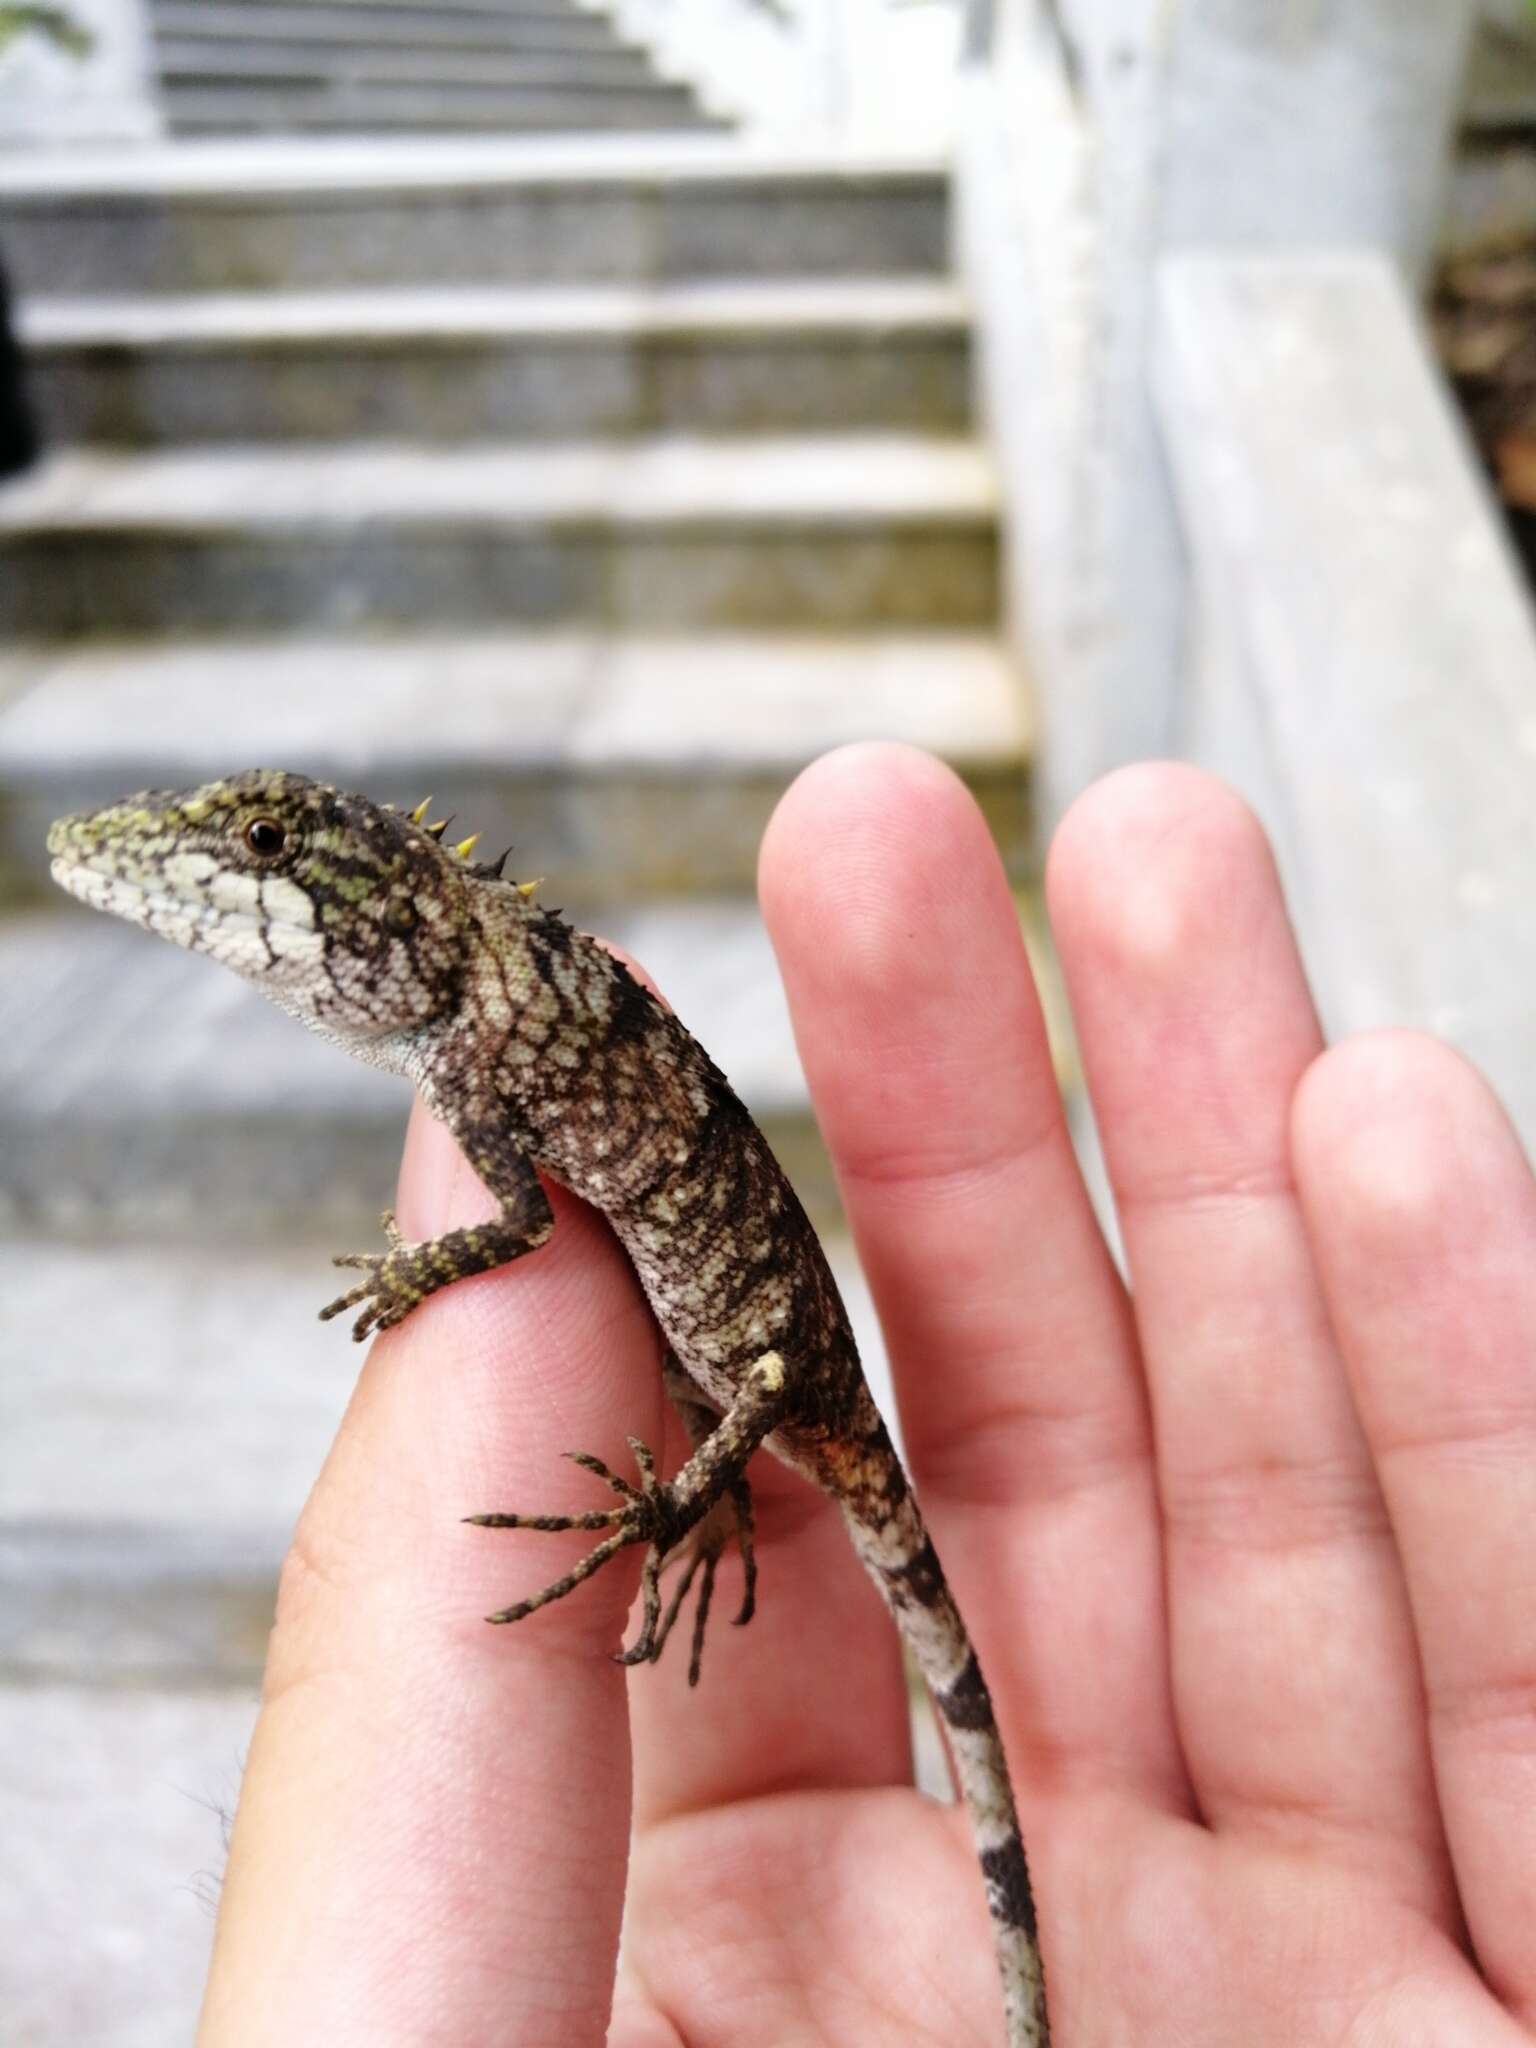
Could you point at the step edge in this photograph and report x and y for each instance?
(822, 311)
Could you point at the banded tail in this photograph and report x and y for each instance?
(899, 1555)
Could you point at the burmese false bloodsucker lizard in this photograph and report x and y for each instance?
(541, 1052)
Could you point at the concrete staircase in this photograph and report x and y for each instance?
(228, 67)
(592, 488)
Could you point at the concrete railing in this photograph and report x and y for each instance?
(1244, 524)
(1361, 654)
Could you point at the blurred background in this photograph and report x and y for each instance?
(586, 414)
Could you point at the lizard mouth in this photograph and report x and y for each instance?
(172, 917)
(251, 936)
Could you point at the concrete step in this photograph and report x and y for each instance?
(364, 15)
(621, 768)
(236, 25)
(194, 1392)
(158, 1456)
(319, 105)
(132, 1606)
(826, 531)
(114, 1808)
(454, 364)
(368, 11)
(187, 60)
(304, 214)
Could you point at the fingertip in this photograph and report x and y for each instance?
(883, 844)
(1370, 1078)
(1394, 1133)
(1150, 860)
(863, 780)
(866, 799)
(1193, 1014)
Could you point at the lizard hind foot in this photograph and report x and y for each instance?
(645, 1514)
(660, 1516)
(701, 1560)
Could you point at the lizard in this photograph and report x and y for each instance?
(543, 1054)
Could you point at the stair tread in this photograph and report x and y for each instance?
(182, 61)
(819, 479)
(528, 703)
(434, 104)
(250, 170)
(749, 309)
(499, 10)
(216, 24)
(219, 1388)
(235, 117)
(100, 1022)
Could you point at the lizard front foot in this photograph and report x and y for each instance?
(390, 1289)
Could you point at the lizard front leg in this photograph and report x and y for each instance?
(399, 1279)
(658, 1515)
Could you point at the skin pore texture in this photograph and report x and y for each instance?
(542, 1053)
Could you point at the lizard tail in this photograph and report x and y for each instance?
(896, 1549)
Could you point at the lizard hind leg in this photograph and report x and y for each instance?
(662, 1515)
(701, 1560)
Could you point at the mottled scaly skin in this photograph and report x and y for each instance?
(540, 1051)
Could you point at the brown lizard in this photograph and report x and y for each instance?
(541, 1052)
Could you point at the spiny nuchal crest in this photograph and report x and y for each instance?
(351, 916)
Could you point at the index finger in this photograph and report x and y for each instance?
(432, 1835)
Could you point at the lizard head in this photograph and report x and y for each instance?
(350, 915)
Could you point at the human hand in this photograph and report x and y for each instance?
(1267, 1674)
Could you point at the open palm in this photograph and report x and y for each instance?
(1248, 1552)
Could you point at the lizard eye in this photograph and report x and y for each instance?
(265, 837)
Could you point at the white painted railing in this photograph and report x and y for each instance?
(1244, 523)
(1362, 657)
